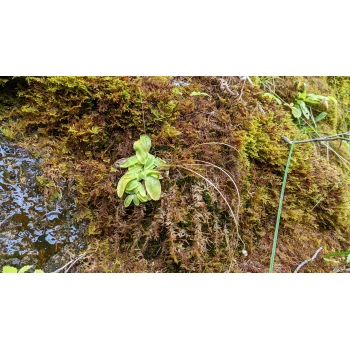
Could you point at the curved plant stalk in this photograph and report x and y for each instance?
(208, 164)
(231, 178)
(220, 193)
(273, 253)
(235, 149)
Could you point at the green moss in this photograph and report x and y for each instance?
(81, 126)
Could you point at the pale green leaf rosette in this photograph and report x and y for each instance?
(141, 173)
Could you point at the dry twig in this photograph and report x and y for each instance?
(70, 264)
(330, 138)
(308, 260)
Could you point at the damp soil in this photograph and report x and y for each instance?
(32, 231)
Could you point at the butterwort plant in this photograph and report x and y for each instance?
(141, 182)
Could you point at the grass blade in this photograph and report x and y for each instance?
(273, 253)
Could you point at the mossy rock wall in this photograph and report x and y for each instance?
(81, 126)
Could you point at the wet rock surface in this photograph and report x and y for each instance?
(32, 231)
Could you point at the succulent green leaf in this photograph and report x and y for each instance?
(150, 162)
(154, 173)
(136, 200)
(25, 268)
(136, 189)
(142, 198)
(304, 109)
(141, 151)
(153, 187)
(141, 175)
(39, 271)
(128, 200)
(296, 111)
(9, 269)
(135, 168)
(321, 116)
(123, 182)
(146, 141)
(141, 191)
(156, 176)
(130, 162)
(132, 185)
(314, 99)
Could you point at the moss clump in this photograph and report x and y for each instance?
(81, 126)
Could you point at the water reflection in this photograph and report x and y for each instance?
(31, 231)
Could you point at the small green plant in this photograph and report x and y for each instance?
(304, 102)
(11, 269)
(302, 106)
(142, 181)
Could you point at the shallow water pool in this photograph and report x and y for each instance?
(31, 230)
